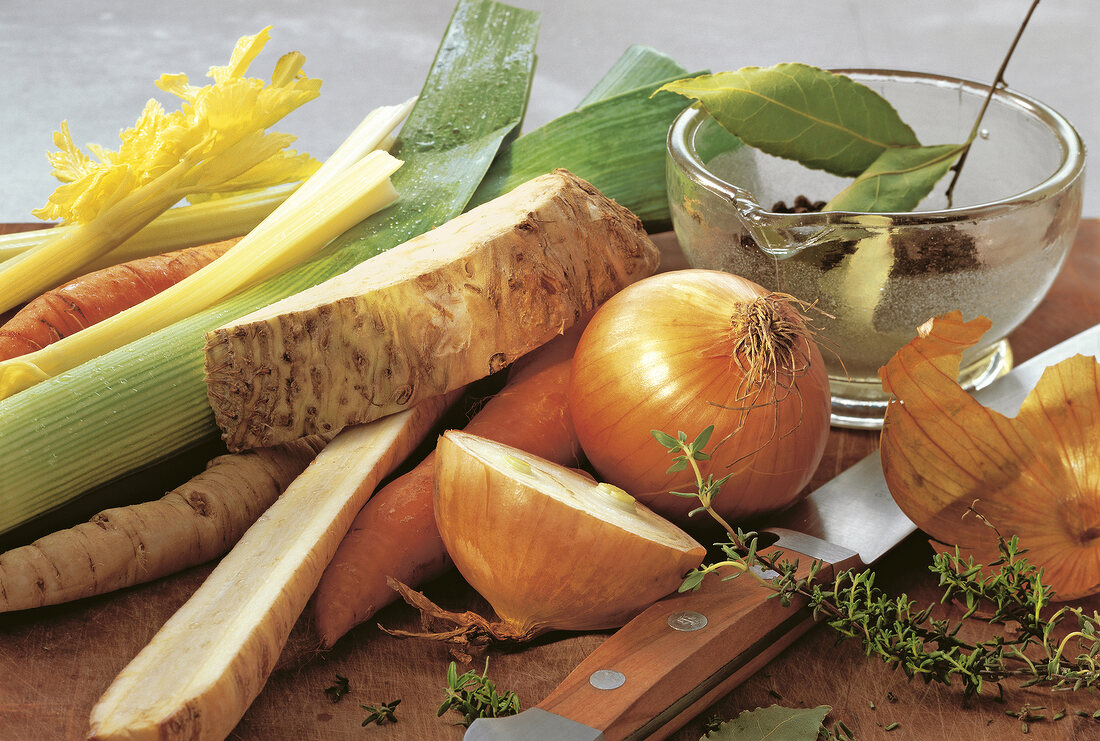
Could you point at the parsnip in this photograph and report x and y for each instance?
(441, 310)
(119, 547)
(204, 667)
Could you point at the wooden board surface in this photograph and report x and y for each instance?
(56, 661)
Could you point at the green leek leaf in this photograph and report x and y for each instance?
(147, 400)
(637, 67)
(617, 144)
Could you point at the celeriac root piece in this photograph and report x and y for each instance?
(395, 536)
(123, 546)
(441, 310)
(206, 665)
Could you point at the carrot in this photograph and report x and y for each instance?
(123, 546)
(96, 296)
(395, 535)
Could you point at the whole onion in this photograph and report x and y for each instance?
(686, 349)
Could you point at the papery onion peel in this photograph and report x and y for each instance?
(686, 349)
(1035, 476)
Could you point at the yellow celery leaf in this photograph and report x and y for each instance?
(81, 201)
(68, 162)
(288, 69)
(247, 152)
(1035, 476)
(287, 166)
(244, 53)
(208, 124)
(217, 140)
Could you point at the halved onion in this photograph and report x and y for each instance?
(1035, 476)
(547, 546)
(683, 350)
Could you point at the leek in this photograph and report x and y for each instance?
(216, 142)
(147, 400)
(637, 67)
(350, 186)
(617, 144)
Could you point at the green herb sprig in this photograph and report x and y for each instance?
(910, 638)
(476, 696)
(379, 714)
(338, 689)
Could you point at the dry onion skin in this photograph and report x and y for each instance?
(1035, 476)
(547, 546)
(686, 349)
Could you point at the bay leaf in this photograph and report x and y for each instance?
(824, 120)
(773, 723)
(898, 180)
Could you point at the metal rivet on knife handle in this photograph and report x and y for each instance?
(687, 621)
(607, 679)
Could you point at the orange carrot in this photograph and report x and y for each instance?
(394, 535)
(96, 296)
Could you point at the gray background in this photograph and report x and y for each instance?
(93, 63)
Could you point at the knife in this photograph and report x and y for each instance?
(709, 641)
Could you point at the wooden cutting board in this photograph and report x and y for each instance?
(56, 661)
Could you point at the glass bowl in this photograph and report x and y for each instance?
(876, 277)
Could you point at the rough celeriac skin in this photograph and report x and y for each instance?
(442, 310)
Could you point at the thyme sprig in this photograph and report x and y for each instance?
(912, 638)
(476, 696)
(379, 714)
(336, 691)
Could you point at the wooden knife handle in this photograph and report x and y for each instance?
(671, 669)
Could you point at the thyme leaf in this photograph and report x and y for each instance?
(379, 714)
(476, 696)
(338, 689)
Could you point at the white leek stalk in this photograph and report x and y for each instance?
(314, 215)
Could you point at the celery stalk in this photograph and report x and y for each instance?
(216, 219)
(350, 186)
(296, 230)
(217, 141)
(176, 228)
(146, 400)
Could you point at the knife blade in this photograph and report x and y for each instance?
(711, 640)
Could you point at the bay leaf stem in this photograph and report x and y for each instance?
(998, 82)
